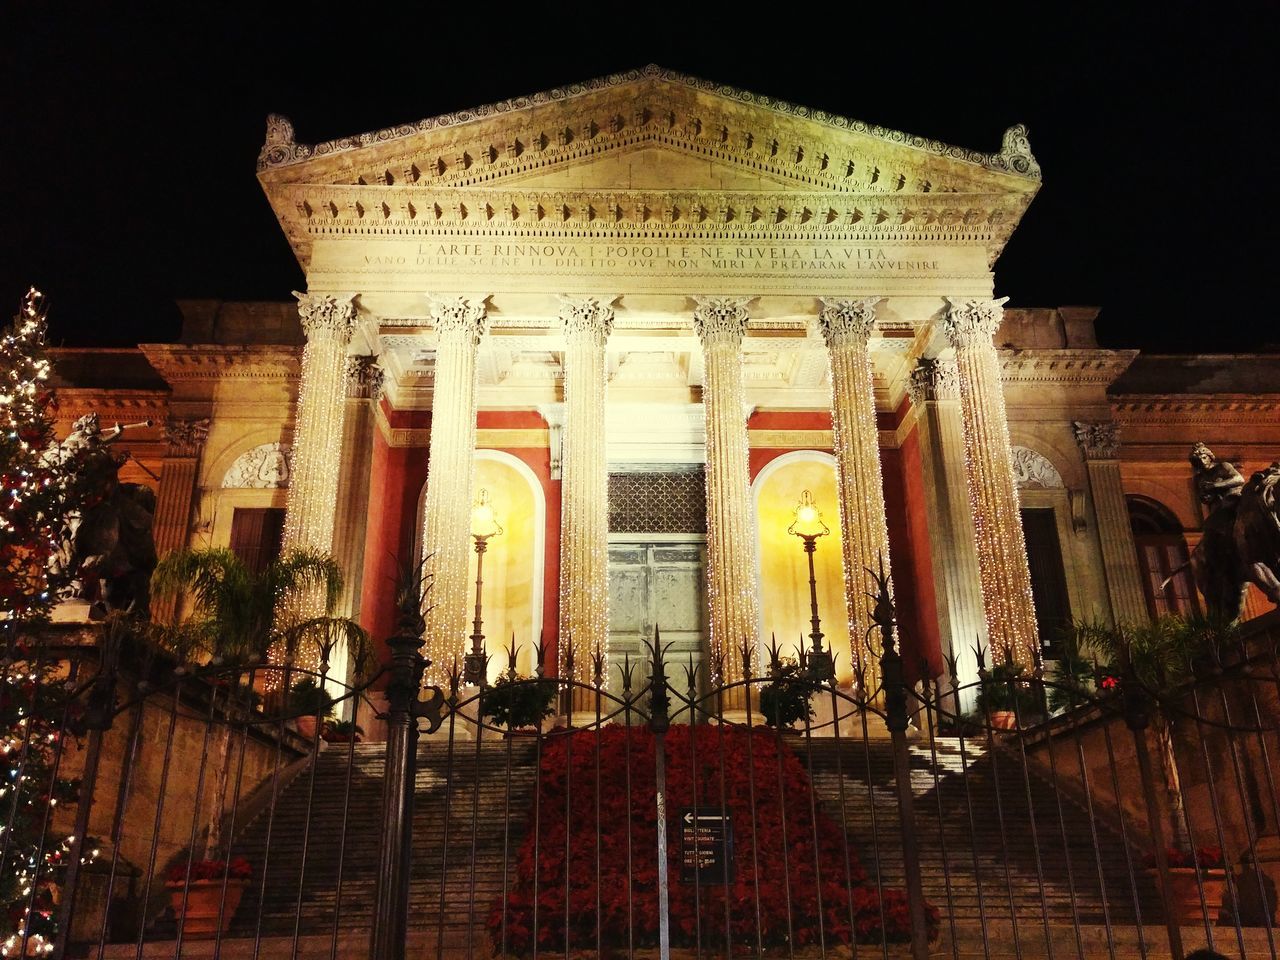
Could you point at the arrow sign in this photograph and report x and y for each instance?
(706, 845)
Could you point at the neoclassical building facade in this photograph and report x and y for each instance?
(640, 318)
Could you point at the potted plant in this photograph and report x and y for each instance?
(784, 700)
(195, 893)
(309, 705)
(1005, 697)
(1192, 875)
(518, 702)
(342, 731)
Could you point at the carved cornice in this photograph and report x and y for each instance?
(721, 320)
(586, 317)
(185, 437)
(327, 314)
(364, 377)
(458, 317)
(933, 379)
(1064, 366)
(844, 322)
(1098, 441)
(636, 111)
(178, 362)
(968, 323)
(334, 209)
(1149, 409)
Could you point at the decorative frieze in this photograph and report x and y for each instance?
(1033, 469)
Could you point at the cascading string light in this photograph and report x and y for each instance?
(328, 322)
(446, 523)
(1005, 576)
(721, 324)
(846, 327)
(584, 498)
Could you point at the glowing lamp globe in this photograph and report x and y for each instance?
(483, 523)
(808, 523)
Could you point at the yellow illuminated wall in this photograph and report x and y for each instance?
(784, 570)
(512, 571)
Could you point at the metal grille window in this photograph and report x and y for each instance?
(657, 502)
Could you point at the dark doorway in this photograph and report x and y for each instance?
(1048, 578)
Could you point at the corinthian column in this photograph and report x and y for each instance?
(969, 325)
(446, 534)
(584, 489)
(1101, 447)
(327, 321)
(864, 534)
(721, 323)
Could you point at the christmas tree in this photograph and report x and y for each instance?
(36, 487)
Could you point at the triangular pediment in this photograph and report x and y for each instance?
(511, 139)
(642, 147)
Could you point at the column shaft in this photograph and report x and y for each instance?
(446, 535)
(993, 495)
(317, 432)
(721, 323)
(1100, 446)
(584, 491)
(958, 588)
(846, 327)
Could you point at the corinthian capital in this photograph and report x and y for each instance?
(844, 322)
(933, 379)
(721, 319)
(327, 314)
(586, 317)
(1098, 441)
(185, 437)
(364, 377)
(458, 316)
(969, 322)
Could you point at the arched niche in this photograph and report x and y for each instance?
(514, 561)
(782, 567)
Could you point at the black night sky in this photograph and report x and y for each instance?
(128, 140)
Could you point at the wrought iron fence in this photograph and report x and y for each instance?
(651, 809)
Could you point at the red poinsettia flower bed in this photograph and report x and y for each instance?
(829, 899)
(237, 869)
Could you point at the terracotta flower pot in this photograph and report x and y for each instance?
(199, 903)
(1004, 719)
(1184, 895)
(306, 727)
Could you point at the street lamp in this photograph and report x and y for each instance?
(484, 527)
(808, 526)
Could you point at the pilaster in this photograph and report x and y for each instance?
(969, 326)
(721, 324)
(1100, 444)
(179, 471)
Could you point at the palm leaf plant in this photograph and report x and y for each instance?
(241, 617)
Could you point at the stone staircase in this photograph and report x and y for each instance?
(990, 864)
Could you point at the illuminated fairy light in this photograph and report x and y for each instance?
(721, 323)
(327, 321)
(446, 524)
(993, 492)
(584, 490)
(846, 327)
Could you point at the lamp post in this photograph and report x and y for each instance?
(484, 527)
(808, 526)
